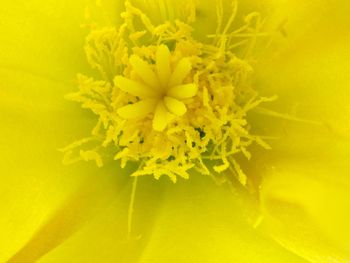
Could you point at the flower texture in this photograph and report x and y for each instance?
(175, 103)
(291, 203)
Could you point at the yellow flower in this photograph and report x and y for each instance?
(78, 213)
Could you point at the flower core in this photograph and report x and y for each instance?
(167, 100)
(161, 92)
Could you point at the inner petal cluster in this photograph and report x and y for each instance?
(161, 91)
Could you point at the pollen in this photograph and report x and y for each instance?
(167, 102)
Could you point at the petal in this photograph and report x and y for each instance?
(207, 226)
(69, 217)
(181, 70)
(163, 65)
(183, 91)
(44, 38)
(29, 147)
(104, 235)
(41, 51)
(103, 12)
(34, 183)
(175, 106)
(172, 226)
(144, 71)
(306, 206)
(305, 192)
(134, 88)
(138, 110)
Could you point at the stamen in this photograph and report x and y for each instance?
(131, 207)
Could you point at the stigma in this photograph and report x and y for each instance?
(159, 88)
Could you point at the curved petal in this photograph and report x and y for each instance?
(43, 38)
(208, 225)
(34, 182)
(33, 177)
(65, 219)
(305, 190)
(102, 12)
(104, 236)
(306, 205)
(41, 52)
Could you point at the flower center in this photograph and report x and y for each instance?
(168, 101)
(160, 91)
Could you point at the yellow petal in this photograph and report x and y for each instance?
(306, 206)
(175, 106)
(137, 110)
(34, 182)
(104, 234)
(172, 226)
(207, 226)
(183, 91)
(67, 218)
(195, 220)
(103, 12)
(27, 30)
(40, 52)
(134, 88)
(305, 195)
